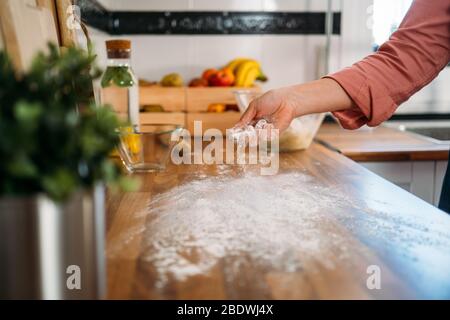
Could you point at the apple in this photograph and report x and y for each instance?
(222, 78)
(198, 82)
(208, 73)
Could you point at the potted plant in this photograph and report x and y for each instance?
(54, 154)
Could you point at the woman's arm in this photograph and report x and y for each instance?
(413, 56)
(285, 104)
(370, 91)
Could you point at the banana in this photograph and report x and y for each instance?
(251, 77)
(243, 69)
(234, 64)
(262, 77)
(245, 72)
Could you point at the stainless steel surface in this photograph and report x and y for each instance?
(441, 134)
(436, 131)
(40, 239)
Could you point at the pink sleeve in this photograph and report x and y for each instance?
(413, 56)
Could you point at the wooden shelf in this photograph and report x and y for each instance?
(182, 105)
(171, 99)
(198, 99)
(221, 121)
(163, 118)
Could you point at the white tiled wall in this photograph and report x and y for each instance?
(214, 5)
(433, 98)
(286, 59)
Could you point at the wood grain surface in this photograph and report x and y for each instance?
(408, 239)
(381, 144)
(26, 29)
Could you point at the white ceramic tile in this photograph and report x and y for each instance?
(155, 56)
(228, 5)
(105, 3)
(216, 51)
(434, 98)
(336, 54)
(299, 5)
(98, 40)
(219, 5)
(283, 60)
(147, 5)
(152, 56)
(286, 59)
(356, 38)
(285, 5)
(291, 60)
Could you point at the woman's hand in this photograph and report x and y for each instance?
(276, 106)
(279, 107)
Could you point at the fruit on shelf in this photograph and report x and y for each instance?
(208, 73)
(222, 78)
(172, 80)
(246, 75)
(216, 108)
(198, 82)
(232, 107)
(240, 72)
(146, 83)
(152, 108)
(234, 64)
(246, 71)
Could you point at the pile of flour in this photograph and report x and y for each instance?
(298, 136)
(278, 222)
(249, 134)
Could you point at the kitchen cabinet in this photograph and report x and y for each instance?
(410, 161)
(440, 169)
(421, 178)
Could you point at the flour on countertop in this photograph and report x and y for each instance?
(278, 221)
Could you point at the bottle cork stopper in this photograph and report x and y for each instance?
(113, 45)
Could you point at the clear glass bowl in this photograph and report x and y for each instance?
(244, 97)
(147, 150)
(301, 132)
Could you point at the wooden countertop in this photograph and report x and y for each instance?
(378, 226)
(380, 144)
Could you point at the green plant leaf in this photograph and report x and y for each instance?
(49, 125)
(59, 185)
(22, 167)
(119, 76)
(27, 113)
(107, 77)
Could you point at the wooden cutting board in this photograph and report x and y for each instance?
(26, 29)
(2, 45)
